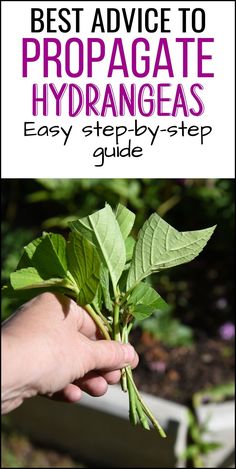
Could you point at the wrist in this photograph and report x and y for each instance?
(16, 375)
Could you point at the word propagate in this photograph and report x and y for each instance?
(140, 58)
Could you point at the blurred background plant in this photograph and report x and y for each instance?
(200, 294)
(200, 438)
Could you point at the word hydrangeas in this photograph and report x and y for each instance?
(104, 269)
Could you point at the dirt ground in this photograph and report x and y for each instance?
(178, 373)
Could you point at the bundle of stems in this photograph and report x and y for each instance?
(119, 331)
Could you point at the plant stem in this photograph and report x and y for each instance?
(117, 336)
(98, 321)
(138, 408)
(124, 335)
(132, 403)
(104, 319)
(142, 417)
(129, 327)
(123, 380)
(124, 339)
(116, 324)
(144, 407)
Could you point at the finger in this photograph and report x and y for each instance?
(93, 384)
(71, 393)
(109, 355)
(112, 377)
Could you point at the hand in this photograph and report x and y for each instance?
(51, 346)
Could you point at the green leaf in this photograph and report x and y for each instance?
(102, 229)
(105, 286)
(97, 301)
(129, 248)
(208, 446)
(125, 219)
(27, 294)
(84, 265)
(59, 245)
(161, 246)
(29, 250)
(123, 280)
(31, 247)
(145, 301)
(49, 257)
(29, 278)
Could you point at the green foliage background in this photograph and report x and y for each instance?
(201, 292)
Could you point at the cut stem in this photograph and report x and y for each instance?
(149, 414)
(138, 408)
(142, 417)
(132, 403)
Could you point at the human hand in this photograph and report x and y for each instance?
(51, 346)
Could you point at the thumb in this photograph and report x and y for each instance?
(110, 355)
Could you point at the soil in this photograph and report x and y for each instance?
(178, 373)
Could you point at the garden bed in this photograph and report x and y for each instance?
(178, 373)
